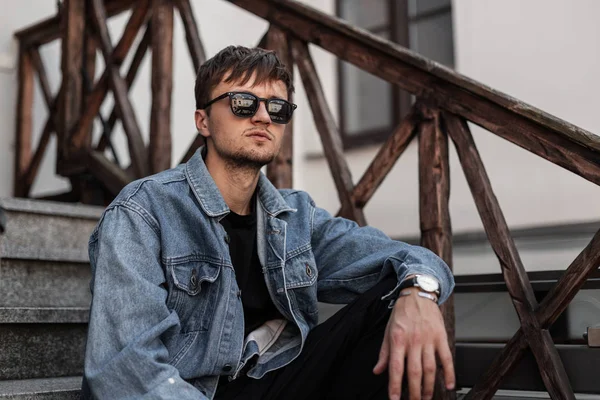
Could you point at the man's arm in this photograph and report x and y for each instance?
(125, 356)
(351, 259)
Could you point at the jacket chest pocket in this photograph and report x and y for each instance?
(194, 293)
(301, 282)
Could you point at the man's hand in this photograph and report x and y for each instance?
(415, 332)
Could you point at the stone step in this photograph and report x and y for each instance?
(38, 283)
(65, 388)
(44, 230)
(42, 342)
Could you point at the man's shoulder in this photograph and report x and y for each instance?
(154, 187)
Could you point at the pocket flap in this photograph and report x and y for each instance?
(190, 275)
(300, 271)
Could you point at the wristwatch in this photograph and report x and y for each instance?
(426, 283)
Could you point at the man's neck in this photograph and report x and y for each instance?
(236, 184)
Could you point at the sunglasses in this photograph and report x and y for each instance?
(245, 105)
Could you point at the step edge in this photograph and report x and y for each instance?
(39, 315)
(45, 207)
(20, 387)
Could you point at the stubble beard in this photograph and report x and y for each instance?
(244, 159)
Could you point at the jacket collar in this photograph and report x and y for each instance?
(206, 191)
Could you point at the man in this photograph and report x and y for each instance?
(206, 278)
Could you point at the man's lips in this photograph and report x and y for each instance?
(259, 134)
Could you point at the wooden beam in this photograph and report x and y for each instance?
(138, 57)
(551, 138)
(32, 170)
(385, 159)
(38, 65)
(96, 96)
(436, 229)
(162, 84)
(517, 282)
(330, 135)
(24, 123)
(553, 305)
(137, 149)
(280, 170)
(52, 105)
(49, 29)
(72, 83)
(192, 34)
(111, 176)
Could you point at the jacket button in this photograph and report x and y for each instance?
(239, 294)
(227, 239)
(227, 368)
(308, 270)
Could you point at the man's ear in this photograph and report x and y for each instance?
(201, 119)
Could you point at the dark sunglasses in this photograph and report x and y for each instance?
(245, 105)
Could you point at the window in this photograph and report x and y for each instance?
(371, 107)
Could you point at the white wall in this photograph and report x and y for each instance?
(541, 51)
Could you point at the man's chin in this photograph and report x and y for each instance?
(253, 159)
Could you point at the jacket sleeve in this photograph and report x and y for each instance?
(351, 259)
(125, 356)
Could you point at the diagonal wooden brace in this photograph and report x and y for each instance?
(553, 305)
(137, 149)
(330, 135)
(551, 368)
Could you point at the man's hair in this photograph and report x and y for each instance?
(239, 63)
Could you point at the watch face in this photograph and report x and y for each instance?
(428, 283)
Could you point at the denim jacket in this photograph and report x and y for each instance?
(166, 317)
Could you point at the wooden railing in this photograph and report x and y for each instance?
(446, 101)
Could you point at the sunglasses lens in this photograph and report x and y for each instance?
(244, 104)
(280, 111)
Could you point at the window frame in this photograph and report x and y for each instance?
(398, 27)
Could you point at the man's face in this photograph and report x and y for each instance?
(252, 141)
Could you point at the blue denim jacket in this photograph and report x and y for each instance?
(166, 318)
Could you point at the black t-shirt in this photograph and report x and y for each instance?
(256, 301)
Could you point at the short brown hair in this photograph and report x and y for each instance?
(241, 63)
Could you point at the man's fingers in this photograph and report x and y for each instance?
(447, 363)
(414, 371)
(429, 369)
(395, 369)
(384, 354)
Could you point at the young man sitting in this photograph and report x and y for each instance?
(206, 278)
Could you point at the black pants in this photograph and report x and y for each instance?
(337, 360)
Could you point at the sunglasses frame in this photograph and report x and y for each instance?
(260, 99)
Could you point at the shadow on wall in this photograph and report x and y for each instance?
(2, 220)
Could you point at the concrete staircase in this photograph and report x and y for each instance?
(44, 298)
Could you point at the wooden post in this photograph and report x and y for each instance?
(162, 83)
(24, 121)
(280, 170)
(436, 229)
(89, 75)
(71, 66)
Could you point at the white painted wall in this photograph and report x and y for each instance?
(541, 51)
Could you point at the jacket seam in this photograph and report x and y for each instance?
(142, 212)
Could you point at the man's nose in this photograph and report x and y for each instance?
(261, 116)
